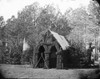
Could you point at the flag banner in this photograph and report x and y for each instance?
(25, 45)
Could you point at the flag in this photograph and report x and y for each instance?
(25, 45)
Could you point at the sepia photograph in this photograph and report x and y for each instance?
(49, 39)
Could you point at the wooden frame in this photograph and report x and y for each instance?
(47, 42)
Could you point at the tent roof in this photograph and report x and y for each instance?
(61, 40)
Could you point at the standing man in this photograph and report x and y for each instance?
(89, 53)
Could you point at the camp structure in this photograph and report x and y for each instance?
(48, 53)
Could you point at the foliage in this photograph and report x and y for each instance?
(30, 24)
(85, 28)
(2, 38)
(33, 21)
(83, 25)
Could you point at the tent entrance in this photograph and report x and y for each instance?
(41, 57)
(53, 57)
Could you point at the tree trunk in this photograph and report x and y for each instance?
(35, 60)
(46, 62)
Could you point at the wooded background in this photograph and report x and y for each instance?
(78, 26)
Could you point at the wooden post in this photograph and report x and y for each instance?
(35, 60)
(59, 60)
(46, 62)
(23, 58)
(35, 56)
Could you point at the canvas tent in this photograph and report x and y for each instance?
(48, 52)
(61, 40)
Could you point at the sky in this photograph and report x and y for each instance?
(11, 7)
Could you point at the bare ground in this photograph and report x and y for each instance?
(26, 71)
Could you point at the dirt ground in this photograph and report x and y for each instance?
(26, 71)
